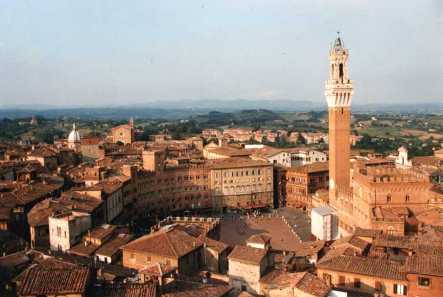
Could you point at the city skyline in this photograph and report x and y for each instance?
(89, 54)
(260, 199)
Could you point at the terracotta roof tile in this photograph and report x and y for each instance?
(39, 214)
(229, 151)
(37, 281)
(339, 251)
(113, 245)
(279, 278)
(303, 281)
(215, 245)
(376, 267)
(247, 254)
(367, 232)
(170, 241)
(235, 163)
(147, 289)
(259, 238)
(352, 241)
(158, 269)
(429, 265)
(309, 248)
(29, 193)
(311, 168)
(102, 232)
(313, 285)
(44, 152)
(195, 289)
(430, 247)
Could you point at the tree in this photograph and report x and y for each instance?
(300, 139)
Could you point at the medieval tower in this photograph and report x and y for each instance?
(338, 92)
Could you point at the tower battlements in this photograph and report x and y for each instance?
(338, 88)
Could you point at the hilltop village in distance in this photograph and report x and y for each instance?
(248, 203)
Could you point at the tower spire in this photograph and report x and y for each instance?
(338, 43)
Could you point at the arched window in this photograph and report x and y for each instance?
(388, 198)
(407, 198)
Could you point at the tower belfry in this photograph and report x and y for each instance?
(338, 92)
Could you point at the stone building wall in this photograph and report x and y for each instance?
(139, 260)
(123, 134)
(243, 275)
(245, 187)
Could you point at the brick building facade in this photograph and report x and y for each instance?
(302, 182)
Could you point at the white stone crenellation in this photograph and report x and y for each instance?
(338, 88)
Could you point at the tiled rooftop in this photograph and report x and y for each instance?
(311, 168)
(235, 163)
(376, 267)
(303, 281)
(170, 241)
(429, 265)
(181, 288)
(309, 248)
(147, 289)
(37, 281)
(247, 254)
(313, 285)
(113, 245)
(284, 237)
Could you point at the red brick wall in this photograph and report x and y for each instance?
(435, 289)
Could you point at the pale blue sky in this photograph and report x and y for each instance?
(115, 52)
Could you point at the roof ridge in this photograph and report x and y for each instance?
(141, 239)
(170, 243)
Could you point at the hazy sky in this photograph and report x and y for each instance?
(116, 52)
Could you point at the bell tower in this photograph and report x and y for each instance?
(338, 92)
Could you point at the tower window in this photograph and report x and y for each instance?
(341, 71)
(388, 198)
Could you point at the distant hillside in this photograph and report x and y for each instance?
(268, 109)
(101, 113)
(249, 117)
(422, 108)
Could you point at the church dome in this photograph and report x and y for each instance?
(74, 136)
(402, 149)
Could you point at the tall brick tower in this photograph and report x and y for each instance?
(338, 91)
